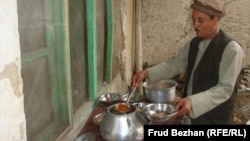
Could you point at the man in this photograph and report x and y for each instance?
(213, 61)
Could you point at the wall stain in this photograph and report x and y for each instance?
(11, 71)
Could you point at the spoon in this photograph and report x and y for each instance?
(131, 94)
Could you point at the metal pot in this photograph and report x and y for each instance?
(163, 91)
(123, 126)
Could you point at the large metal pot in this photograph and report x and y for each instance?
(163, 91)
(123, 126)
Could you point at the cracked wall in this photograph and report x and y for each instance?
(167, 25)
(12, 118)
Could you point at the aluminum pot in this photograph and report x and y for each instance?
(163, 91)
(125, 126)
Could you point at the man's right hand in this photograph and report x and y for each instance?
(138, 77)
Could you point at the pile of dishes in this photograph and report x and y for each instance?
(109, 98)
(136, 97)
(129, 116)
(140, 105)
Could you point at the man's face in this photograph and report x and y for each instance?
(205, 26)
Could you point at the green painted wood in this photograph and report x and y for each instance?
(50, 39)
(58, 54)
(57, 51)
(91, 47)
(35, 55)
(48, 132)
(50, 44)
(55, 42)
(62, 52)
(68, 97)
(110, 29)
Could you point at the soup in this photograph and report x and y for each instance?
(122, 107)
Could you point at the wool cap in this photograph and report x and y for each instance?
(210, 7)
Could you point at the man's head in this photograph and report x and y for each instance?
(209, 7)
(206, 16)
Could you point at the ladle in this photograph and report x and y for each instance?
(131, 94)
(124, 107)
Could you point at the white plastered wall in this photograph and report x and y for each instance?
(12, 118)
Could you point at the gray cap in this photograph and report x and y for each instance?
(210, 7)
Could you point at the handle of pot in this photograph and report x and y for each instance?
(129, 122)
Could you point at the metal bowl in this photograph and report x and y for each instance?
(140, 105)
(136, 97)
(98, 118)
(159, 112)
(109, 97)
(163, 91)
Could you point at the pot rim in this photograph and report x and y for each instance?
(147, 86)
(111, 110)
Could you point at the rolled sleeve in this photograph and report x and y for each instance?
(169, 68)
